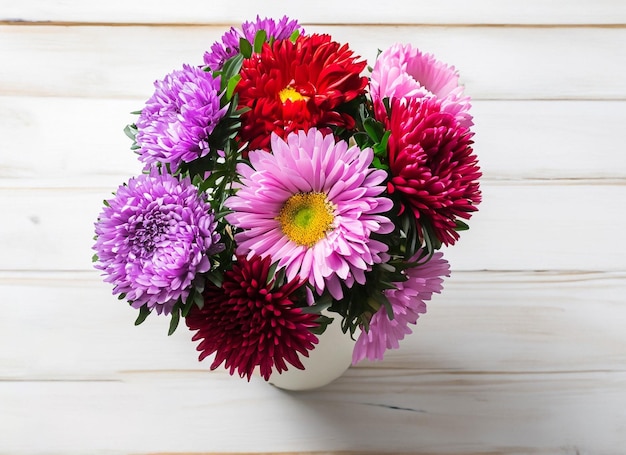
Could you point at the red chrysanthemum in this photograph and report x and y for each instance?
(432, 165)
(296, 86)
(248, 322)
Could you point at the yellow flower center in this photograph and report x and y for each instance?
(306, 218)
(291, 94)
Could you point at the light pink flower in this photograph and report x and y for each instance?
(312, 204)
(408, 301)
(404, 72)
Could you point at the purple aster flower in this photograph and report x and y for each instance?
(153, 238)
(282, 29)
(408, 301)
(229, 45)
(175, 125)
(312, 205)
(223, 50)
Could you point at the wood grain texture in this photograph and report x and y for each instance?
(321, 11)
(494, 62)
(366, 410)
(523, 353)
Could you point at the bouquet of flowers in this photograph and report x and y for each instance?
(288, 186)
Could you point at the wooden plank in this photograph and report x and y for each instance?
(550, 139)
(366, 411)
(544, 226)
(514, 140)
(68, 327)
(324, 11)
(61, 142)
(494, 62)
(520, 226)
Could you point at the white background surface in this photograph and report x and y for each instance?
(523, 353)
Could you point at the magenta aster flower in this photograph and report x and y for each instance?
(228, 47)
(312, 205)
(249, 323)
(405, 72)
(175, 125)
(433, 168)
(153, 238)
(408, 301)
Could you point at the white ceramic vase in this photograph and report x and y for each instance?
(330, 359)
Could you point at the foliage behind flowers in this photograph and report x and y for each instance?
(281, 182)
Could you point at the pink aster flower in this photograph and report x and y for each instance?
(312, 205)
(408, 301)
(404, 72)
(228, 46)
(153, 237)
(176, 122)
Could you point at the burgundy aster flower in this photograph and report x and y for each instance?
(249, 322)
(432, 165)
(176, 122)
(228, 47)
(153, 238)
(297, 86)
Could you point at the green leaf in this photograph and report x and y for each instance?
(323, 322)
(374, 129)
(271, 272)
(432, 241)
(387, 104)
(130, 131)
(362, 140)
(136, 112)
(245, 47)
(232, 84)
(383, 285)
(192, 300)
(294, 36)
(259, 40)
(384, 141)
(144, 311)
(174, 321)
(198, 299)
(280, 277)
(231, 67)
(215, 277)
(321, 304)
(94, 258)
(461, 226)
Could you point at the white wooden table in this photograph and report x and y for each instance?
(523, 353)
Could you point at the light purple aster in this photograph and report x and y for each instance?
(153, 237)
(228, 47)
(312, 205)
(176, 122)
(403, 71)
(408, 301)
